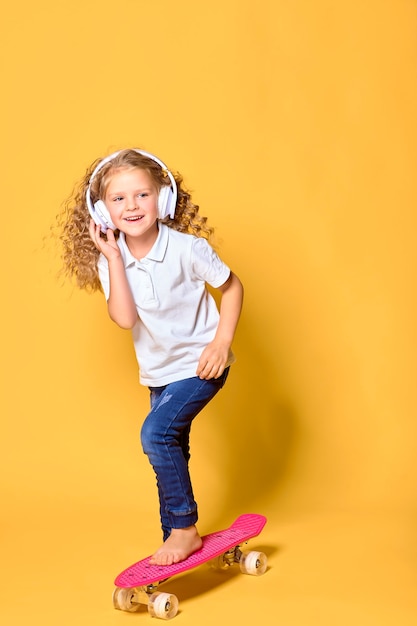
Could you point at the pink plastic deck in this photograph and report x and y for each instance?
(142, 573)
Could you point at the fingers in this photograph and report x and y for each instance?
(101, 243)
(208, 370)
(110, 235)
(212, 361)
(94, 231)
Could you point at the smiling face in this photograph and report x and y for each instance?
(132, 200)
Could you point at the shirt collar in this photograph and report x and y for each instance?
(156, 253)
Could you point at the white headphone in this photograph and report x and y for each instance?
(167, 199)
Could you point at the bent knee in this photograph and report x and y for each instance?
(150, 436)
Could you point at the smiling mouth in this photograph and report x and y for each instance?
(134, 218)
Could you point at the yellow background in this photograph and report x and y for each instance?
(295, 124)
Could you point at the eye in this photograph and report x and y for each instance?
(117, 198)
(145, 194)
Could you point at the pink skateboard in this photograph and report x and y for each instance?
(137, 584)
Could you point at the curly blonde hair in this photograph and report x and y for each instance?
(79, 254)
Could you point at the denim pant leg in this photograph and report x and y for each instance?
(165, 440)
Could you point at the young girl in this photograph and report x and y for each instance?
(132, 231)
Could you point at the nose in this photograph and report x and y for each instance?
(132, 203)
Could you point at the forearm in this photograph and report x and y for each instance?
(230, 309)
(121, 306)
(214, 357)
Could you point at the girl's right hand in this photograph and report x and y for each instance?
(108, 247)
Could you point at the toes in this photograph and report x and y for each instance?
(165, 559)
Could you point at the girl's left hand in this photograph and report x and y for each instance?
(213, 361)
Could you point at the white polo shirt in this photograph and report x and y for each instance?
(177, 316)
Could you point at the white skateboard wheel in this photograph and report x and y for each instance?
(123, 599)
(253, 563)
(163, 605)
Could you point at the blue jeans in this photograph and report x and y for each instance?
(165, 438)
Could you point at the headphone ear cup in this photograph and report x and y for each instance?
(166, 201)
(101, 216)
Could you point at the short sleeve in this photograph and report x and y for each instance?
(207, 265)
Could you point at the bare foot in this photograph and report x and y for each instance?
(181, 543)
